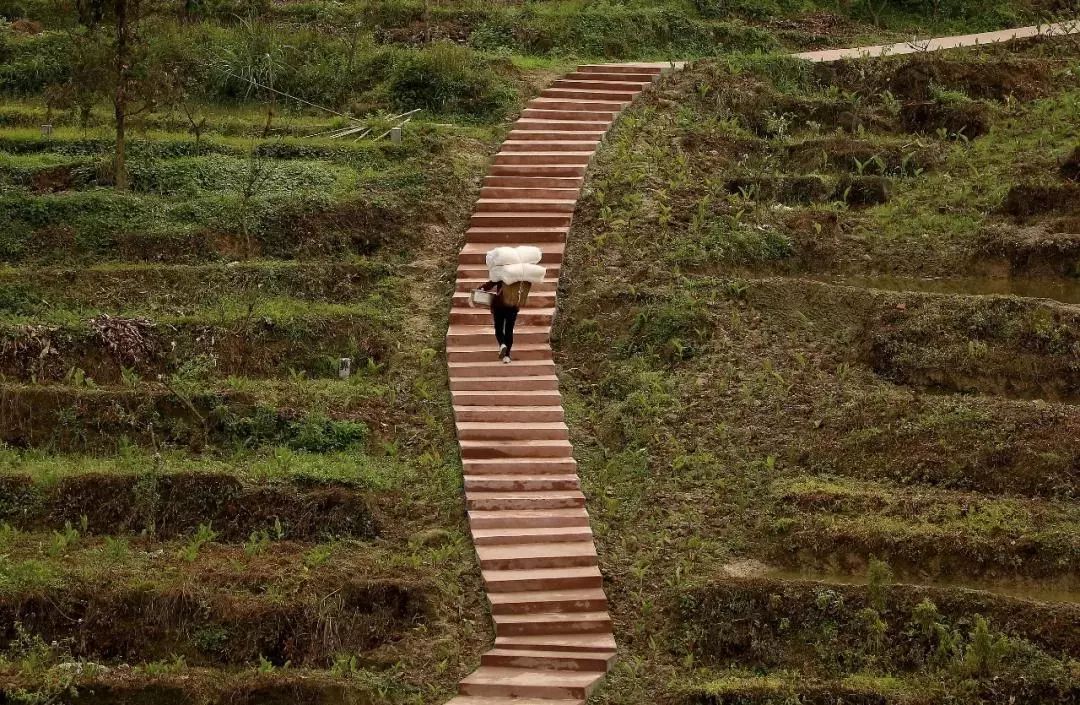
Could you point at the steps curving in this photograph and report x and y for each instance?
(554, 639)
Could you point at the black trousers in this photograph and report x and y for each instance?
(505, 317)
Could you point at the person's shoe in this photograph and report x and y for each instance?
(502, 351)
(506, 359)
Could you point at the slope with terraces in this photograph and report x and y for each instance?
(527, 513)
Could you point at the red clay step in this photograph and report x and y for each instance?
(479, 316)
(589, 94)
(483, 333)
(547, 286)
(576, 105)
(512, 430)
(636, 78)
(522, 351)
(546, 157)
(488, 700)
(560, 170)
(531, 194)
(521, 483)
(524, 501)
(552, 623)
(476, 253)
(592, 82)
(515, 449)
(574, 117)
(496, 368)
(528, 519)
(517, 235)
(480, 397)
(477, 271)
(519, 134)
(534, 556)
(528, 205)
(547, 660)
(534, 218)
(561, 124)
(542, 579)
(502, 537)
(537, 299)
(549, 144)
(652, 70)
(509, 414)
(557, 182)
(597, 643)
(548, 601)
(528, 683)
(508, 466)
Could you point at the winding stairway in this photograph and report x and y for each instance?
(554, 639)
(553, 634)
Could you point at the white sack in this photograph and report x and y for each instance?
(514, 273)
(523, 254)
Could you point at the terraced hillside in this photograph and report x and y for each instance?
(818, 345)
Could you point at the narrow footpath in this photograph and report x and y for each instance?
(554, 640)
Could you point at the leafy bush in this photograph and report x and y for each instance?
(447, 78)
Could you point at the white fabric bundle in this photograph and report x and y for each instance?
(511, 265)
(524, 254)
(520, 272)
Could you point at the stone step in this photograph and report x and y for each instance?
(545, 135)
(546, 170)
(528, 519)
(550, 144)
(497, 368)
(596, 643)
(541, 448)
(652, 70)
(476, 253)
(480, 316)
(576, 105)
(542, 579)
(512, 430)
(484, 334)
(548, 601)
(511, 466)
(529, 683)
(582, 116)
(502, 537)
(480, 397)
(513, 205)
(534, 556)
(614, 82)
(622, 94)
(552, 623)
(556, 182)
(521, 482)
(633, 78)
(522, 351)
(547, 660)
(485, 219)
(546, 157)
(530, 193)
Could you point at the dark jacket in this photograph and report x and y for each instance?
(508, 295)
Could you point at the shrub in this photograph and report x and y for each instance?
(446, 78)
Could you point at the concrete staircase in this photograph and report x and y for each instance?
(553, 634)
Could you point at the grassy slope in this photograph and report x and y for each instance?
(739, 426)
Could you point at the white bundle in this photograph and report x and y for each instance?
(523, 254)
(520, 272)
